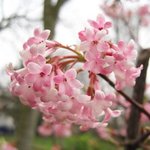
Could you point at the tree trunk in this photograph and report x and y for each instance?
(138, 95)
(50, 15)
(26, 125)
(25, 117)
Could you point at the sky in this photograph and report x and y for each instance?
(73, 18)
(11, 40)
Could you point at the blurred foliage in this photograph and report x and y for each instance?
(84, 141)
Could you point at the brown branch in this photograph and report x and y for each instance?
(60, 3)
(133, 102)
(6, 22)
(136, 143)
(133, 127)
(50, 15)
(141, 139)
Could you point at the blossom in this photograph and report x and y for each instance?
(45, 129)
(100, 23)
(38, 37)
(39, 75)
(7, 146)
(67, 81)
(101, 105)
(91, 39)
(49, 82)
(97, 63)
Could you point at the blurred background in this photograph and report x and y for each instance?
(20, 126)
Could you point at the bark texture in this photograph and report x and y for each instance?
(133, 129)
(25, 117)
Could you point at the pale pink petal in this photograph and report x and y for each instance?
(91, 65)
(103, 46)
(85, 46)
(47, 68)
(71, 74)
(100, 34)
(40, 60)
(10, 69)
(41, 47)
(82, 35)
(107, 117)
(31, 41)
(58, 79)
(131, 52)
(26, 55)
(33, 50)
(37, 31)
(62, 88)
(121, 45)
(99, 95)
(93, 23)
(111, 96)
(75, 83)
(89, 34)
(85, 99)
(45, 34)
(101, 19)
(65, 105)
(114, 113)
(33, 68)
(51, 44)
(49, 95)
(90, 55)
(47, 81)
(38, 85)
(107, 25)
(25, 45)
(45, 129)
(30, 78)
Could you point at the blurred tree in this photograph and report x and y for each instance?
(51, 14)
(25, 118)
(128, 24)
(133, 128)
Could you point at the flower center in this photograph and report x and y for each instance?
(42, 74)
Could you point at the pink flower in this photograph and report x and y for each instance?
(67, 81)
(37, 46)
(144, 10)
(39, 75)
(62, 130)
(48, 82)
(125, 74)
(98, 63)
(7, 146)
(39, 36)
(45, 129)
(144, 14)
(57, 129)
(100, 23)
(101, 106)
(128, 50)
(92, 40)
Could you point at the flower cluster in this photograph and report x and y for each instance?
(118, 10)
(57, 129)
(104, 57)
(7, 146)
(48, 81)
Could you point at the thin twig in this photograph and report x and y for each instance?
(140, 107)
(136, 143)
